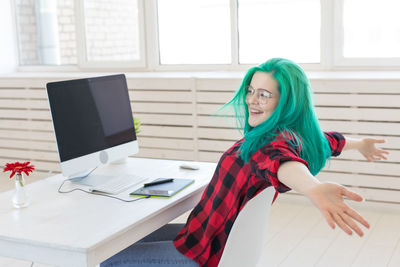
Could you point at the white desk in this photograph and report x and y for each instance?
(80, 229)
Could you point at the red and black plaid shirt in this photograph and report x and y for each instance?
(234, 183)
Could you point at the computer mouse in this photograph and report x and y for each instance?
(189, 166)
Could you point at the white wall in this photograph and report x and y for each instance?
(8, 45)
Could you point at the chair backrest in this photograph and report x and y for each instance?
(246, 239)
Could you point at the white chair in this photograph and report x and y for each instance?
(246, 239)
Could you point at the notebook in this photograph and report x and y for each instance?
(163, 190)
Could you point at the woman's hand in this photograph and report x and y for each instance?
(366, 147)
(369, 151)
(328, 198)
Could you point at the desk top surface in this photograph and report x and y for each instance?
(81, 221)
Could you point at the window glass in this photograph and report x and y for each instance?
(194, 32)
(279, 28)
(371, 28)
(112, 30)
(46, 32)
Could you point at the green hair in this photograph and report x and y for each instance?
(294, 116)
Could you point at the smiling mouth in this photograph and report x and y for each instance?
(255, 112)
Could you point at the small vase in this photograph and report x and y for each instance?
(20, 198)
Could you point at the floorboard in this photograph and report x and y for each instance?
(381, 244)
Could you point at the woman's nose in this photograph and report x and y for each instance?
(253, 99)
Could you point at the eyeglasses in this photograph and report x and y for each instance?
(262, 95)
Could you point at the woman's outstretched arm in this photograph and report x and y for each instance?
(327, 197)
(366, 147)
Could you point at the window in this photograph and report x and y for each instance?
(207, 34)
(289, 29)
(46, 32)
(194, 32)
(372, 31)
(112, 31)
(90, 33)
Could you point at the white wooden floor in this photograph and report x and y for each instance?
(298, 236)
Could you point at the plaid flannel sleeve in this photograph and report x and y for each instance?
(336, 142)
(271, 156)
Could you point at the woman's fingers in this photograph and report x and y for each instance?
(378, 140)
(346, 223)
(382, 152)
(355, 215)
(370, 152)
(328, 197)
(349, 221)
(329, 219)
(352, 195)
(339, 221)
(377, 155)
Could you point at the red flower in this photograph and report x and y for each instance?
(18, 167)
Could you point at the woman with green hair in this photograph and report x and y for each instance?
(283, 146)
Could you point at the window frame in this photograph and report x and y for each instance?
(331, 44)
(349, 63)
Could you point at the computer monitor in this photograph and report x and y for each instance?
(93, 122)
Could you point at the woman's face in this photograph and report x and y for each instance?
(262, 97)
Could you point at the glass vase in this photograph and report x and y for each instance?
(20, 198)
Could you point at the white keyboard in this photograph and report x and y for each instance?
(118, 184)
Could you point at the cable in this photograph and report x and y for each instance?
(96, 193)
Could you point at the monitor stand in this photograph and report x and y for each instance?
(109, 184)
(92, 180)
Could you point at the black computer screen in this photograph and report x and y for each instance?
(90, 115)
